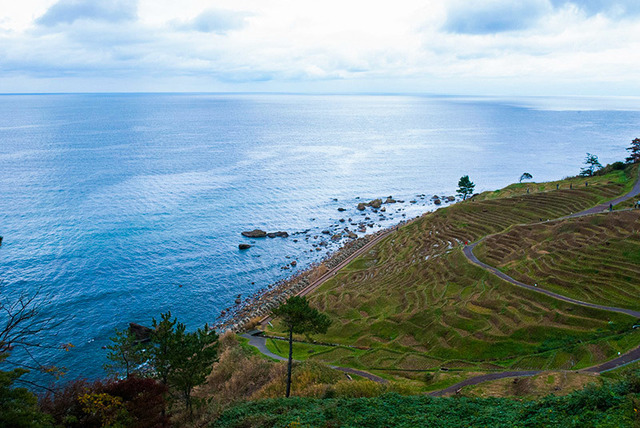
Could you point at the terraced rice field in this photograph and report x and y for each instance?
(414, 302)
(595, 259)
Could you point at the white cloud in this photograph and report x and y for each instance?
(493, 16)
(217, 21)
(69, 11)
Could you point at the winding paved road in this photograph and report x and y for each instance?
(634, 355)
(627, 358)
(468, 252)
(256, 339)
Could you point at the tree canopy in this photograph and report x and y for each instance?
(525, 176)
(634, 151)
(465, 187)
(126, 353)
(592, 165)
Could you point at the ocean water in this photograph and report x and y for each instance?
(119, 207)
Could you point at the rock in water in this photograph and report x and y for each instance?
(282, 234)
(244, 246)
(361, 206)
(341, 209)
(140, 332)
(256, 233)
(271, 234)
(376, 203)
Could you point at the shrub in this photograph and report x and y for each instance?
(134, 402)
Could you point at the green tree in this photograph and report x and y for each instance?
(192, 360)
(298, 317)
(525, 176)
(126, 353)
(18, 406)
(161, 346)
(465, 187)
(634, 149)
(181, 360)
(592, 165)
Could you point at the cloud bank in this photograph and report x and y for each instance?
(455, 46)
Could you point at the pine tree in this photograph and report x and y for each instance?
(592, 165)
(525, 176)
(465, 187)
(126, 353)
(192, 360)
(634, 150)
(298, 317)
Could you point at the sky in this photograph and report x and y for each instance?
(483, 47)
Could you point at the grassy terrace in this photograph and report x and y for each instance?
(594, 259)
(414, 303)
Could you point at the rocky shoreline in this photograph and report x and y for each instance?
(260, 304)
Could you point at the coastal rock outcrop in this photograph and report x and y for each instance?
(256, 233)
(376, 203)
(140, 332)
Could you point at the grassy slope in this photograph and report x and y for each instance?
(595, 258)
(414, 302)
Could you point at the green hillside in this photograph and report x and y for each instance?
(415, 303)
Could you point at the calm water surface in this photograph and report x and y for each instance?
(120, 207)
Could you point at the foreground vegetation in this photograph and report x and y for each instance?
(609, 405)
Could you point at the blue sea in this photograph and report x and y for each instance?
(119, 207)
